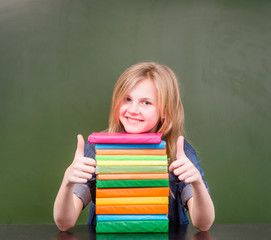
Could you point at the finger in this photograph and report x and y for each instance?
(88, 161)
(184, 176)
(171, 167)
(78, 180)
(87, 169)
(180, 145)
(181, 170)
(81, 167)
(81, 174)
(189, 179)
(80, 146)
(175, 164)
(189, 176)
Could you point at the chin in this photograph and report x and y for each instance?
(137, 130)
(133, 131)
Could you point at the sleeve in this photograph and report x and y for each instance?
(186, 188)
(86, 191)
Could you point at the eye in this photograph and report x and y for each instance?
(146, 103)
(127, 99)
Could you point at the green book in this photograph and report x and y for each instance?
(132, 226)
(131, 157)
(131, 169)
(130, 183)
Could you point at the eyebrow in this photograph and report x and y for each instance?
(141, 99)
(144, 98)
(149, 99)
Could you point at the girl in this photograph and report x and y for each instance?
(146, 98)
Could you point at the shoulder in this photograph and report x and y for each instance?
(190, 152)
(188, 149)
(89, 149)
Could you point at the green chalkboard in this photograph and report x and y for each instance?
(59, 61)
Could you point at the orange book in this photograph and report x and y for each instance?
(131, 152)
(132, 209)
(120, 176)
(132, 192)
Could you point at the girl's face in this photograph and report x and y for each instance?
(139, 111)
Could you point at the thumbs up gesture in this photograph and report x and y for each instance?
(182, 167)
(82, 167)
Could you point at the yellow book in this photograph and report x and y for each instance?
(131, 201)
(131, 163)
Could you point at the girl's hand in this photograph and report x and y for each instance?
(183, 167)
(82, 167)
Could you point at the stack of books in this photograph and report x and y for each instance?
(132, 184)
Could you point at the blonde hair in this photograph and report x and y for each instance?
(171, 123)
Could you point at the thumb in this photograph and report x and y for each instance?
(80, 146)
(180, 145)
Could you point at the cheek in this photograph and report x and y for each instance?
(122, 110)
(153, 115)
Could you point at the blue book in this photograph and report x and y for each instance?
(161, 145)
(128, 217)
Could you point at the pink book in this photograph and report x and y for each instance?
(103, 137)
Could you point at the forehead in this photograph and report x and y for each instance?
(144, 88)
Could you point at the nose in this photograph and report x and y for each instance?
(133, 108)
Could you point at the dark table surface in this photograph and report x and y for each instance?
(80, 232)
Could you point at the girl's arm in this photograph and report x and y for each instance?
(200, 206)
(68, 206)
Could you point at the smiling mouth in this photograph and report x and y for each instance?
(133, 120)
